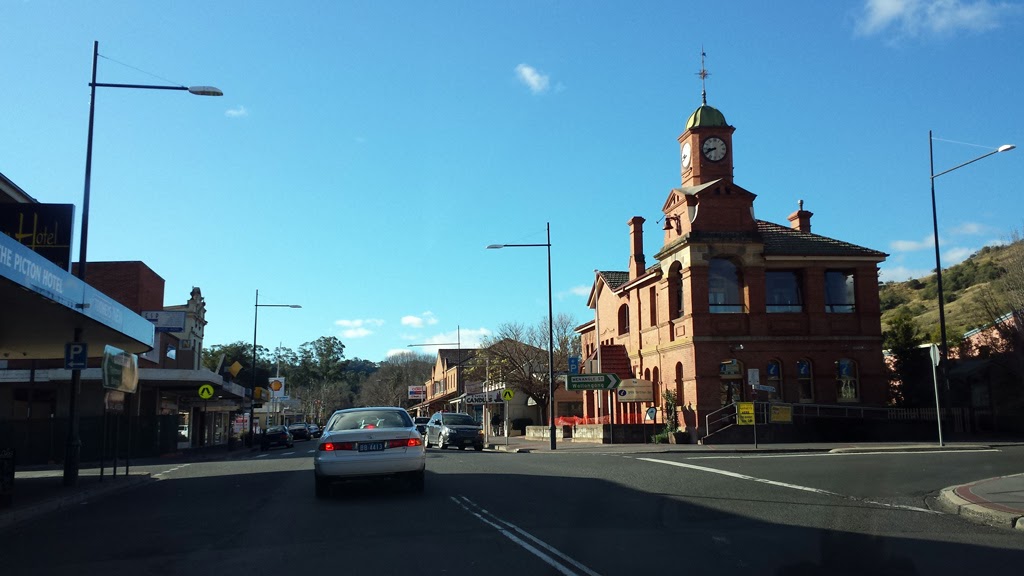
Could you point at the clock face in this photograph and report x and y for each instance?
(684, 155)
(713, 148)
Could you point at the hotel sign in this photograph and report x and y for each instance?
(46, 229)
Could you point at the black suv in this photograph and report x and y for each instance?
(454, 429)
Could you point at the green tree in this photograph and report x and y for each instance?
(903, 340)
(389, 385)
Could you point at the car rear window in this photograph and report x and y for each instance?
(371, 419)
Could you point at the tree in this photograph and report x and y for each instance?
(518, 355)
(907, 382)
(319, 378)
(1002, 303)
(389, 385)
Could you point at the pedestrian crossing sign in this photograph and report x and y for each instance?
(507, 394)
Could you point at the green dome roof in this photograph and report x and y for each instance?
(705, 116)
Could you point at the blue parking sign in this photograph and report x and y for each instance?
(574, 364)
(76, 355)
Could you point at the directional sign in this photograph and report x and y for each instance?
(591, 381)
(508, 394)
(206, 391)
(76, 355)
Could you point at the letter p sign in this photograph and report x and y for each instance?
(76, 355)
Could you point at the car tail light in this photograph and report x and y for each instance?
(405, 442)
(332, 446)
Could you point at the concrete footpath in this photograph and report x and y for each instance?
(40, 490)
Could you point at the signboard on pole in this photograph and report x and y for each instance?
(417, 392)
(166, 320)
(591, 381)
(120, 370)
(781, 413)
(745, 413)
(634, 390)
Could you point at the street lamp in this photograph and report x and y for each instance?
(255, 325)
(551, 331)
(938, 264)
(72, 453)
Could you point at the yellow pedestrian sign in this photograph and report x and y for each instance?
(507, 394)
(206, 391)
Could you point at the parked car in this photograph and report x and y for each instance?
(314, 430)
(421, 424)
(369, 443)
(300, 431)
(454, 429)
(276, 436)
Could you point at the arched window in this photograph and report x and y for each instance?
(680, 396)
(624, 319)
(676, 302)
(805, 380)
(656, 378)
(847, 381)
(725, 287)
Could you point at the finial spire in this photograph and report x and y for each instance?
(703, 76)
(800, 204)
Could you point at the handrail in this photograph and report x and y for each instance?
(707, 417)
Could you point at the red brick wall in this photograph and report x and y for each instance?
(133, 284)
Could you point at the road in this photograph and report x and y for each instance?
(496, 514)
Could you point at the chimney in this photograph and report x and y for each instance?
(801, 219)
(637, 265)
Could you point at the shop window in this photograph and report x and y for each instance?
(839, 293)
(782, 291)
(623, 319)
(805, 380)
(847, 384)
(773, 379)
(724, 288)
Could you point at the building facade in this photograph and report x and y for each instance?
(734, 308)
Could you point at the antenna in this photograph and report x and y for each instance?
(703, 76)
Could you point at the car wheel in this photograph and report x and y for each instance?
(322, 487)
(463, 447)
(263, 447)
(417, 482)
(426, 441)
(478, 447)
(441, 444)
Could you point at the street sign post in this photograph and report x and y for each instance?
(934, 353)
(592, 381)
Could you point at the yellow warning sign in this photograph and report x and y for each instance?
(206, 391)
(507, 394)
(745, 413)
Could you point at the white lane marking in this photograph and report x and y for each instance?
(819, 454)
(263, 455)
(499, 525)
(287, 453)
(787, 485)
(159, 475)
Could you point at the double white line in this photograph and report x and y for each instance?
(549, 554)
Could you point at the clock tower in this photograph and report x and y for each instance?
(705, 146)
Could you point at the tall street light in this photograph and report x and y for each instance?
(255, 326)
(72, 454)
(551, 331)
(938, 264)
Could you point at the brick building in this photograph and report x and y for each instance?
(729, 294)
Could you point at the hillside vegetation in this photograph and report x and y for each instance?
(965, 287)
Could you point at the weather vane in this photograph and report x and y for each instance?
(703, 76)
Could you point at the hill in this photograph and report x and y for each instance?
(964, 286)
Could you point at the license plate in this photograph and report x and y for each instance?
(371, 446)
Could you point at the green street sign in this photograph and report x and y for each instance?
(591, 381)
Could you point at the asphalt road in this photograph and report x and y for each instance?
(496, 514)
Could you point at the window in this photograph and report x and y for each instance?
(724, 287)
(805, 380)
(676, 294)
(654, 305)
(847, 389)
(782, 291)
(839, 294)
(773, 378)
(624, 319)
(680, 400)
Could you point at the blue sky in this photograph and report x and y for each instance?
(365, 153)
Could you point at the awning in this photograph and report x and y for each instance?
(42, 305)
(184, 382)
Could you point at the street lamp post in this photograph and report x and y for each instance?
(72, 454)
(551, 332)
(255, 326)
(943, 348)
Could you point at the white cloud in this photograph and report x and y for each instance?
(537, 83)
(920, 17)
(236, 112)
(901, 273)
(419, 321)
(580, 290)
(912, 245)
(971, 229)
(357, 328)
(955, 256)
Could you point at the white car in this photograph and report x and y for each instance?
(378, 442)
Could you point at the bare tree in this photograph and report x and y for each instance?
(517, 355)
